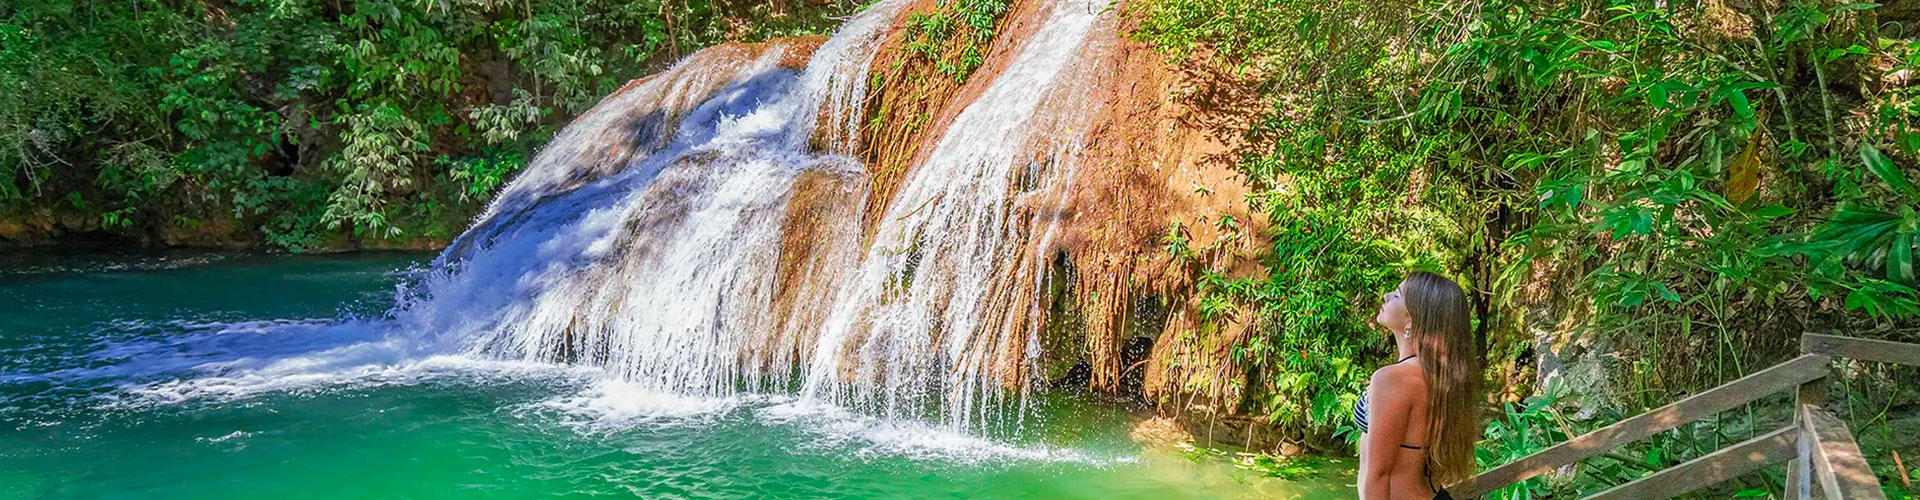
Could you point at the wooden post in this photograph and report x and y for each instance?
(1842, 471)
(1797, 487)
(1811, 394)
(1800, 481)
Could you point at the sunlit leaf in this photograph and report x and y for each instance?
(1743, 175)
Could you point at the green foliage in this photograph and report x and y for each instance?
(381, 145)
(292, 229)
(1651, 176)
(1876, 236)
(1342, 228)
(1523, 430)
(956, 36)
(156, 113)
(481, 176)
(1332, 254)
(1236, 30)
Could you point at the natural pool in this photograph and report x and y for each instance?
(247, 376)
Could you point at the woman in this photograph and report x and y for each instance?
(1417, 418)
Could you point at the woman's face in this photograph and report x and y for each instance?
(1393, 311)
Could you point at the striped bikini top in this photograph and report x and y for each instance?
(1360, 410)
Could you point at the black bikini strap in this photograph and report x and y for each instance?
(1412, 447)
(1409, 356)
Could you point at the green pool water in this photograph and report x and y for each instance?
(247, 376)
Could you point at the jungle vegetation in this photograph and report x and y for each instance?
(298, 124)
(1672, 191)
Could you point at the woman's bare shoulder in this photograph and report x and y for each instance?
(1400, 377)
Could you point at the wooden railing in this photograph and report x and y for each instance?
(1819, 450)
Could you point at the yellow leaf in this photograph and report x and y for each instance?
(1743, 176)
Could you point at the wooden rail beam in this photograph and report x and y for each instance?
(1862, 349)
(1748, 456)
(1838, 466)
(1775, 379)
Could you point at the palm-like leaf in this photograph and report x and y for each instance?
(1870, 237)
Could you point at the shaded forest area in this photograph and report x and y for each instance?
(313, 124)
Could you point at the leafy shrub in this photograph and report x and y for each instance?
(150, 111)
(956, 36)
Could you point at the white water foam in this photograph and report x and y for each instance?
(835, 430)
(229, 437)
(320, 372)
(613, 405)
(210, 348)
(665, 274)
(588, 400)
(918, 333)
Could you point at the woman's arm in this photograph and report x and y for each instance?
(1388, 413)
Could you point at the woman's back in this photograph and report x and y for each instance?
(1408, 472)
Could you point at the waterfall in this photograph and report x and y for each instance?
(698, 233)
(647, 237)
(931, 325)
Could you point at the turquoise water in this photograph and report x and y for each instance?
(236, 376)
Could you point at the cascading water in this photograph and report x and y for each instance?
(673, 253)
(936, 322)
(662, 270)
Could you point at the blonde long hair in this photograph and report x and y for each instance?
(1451, 359)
